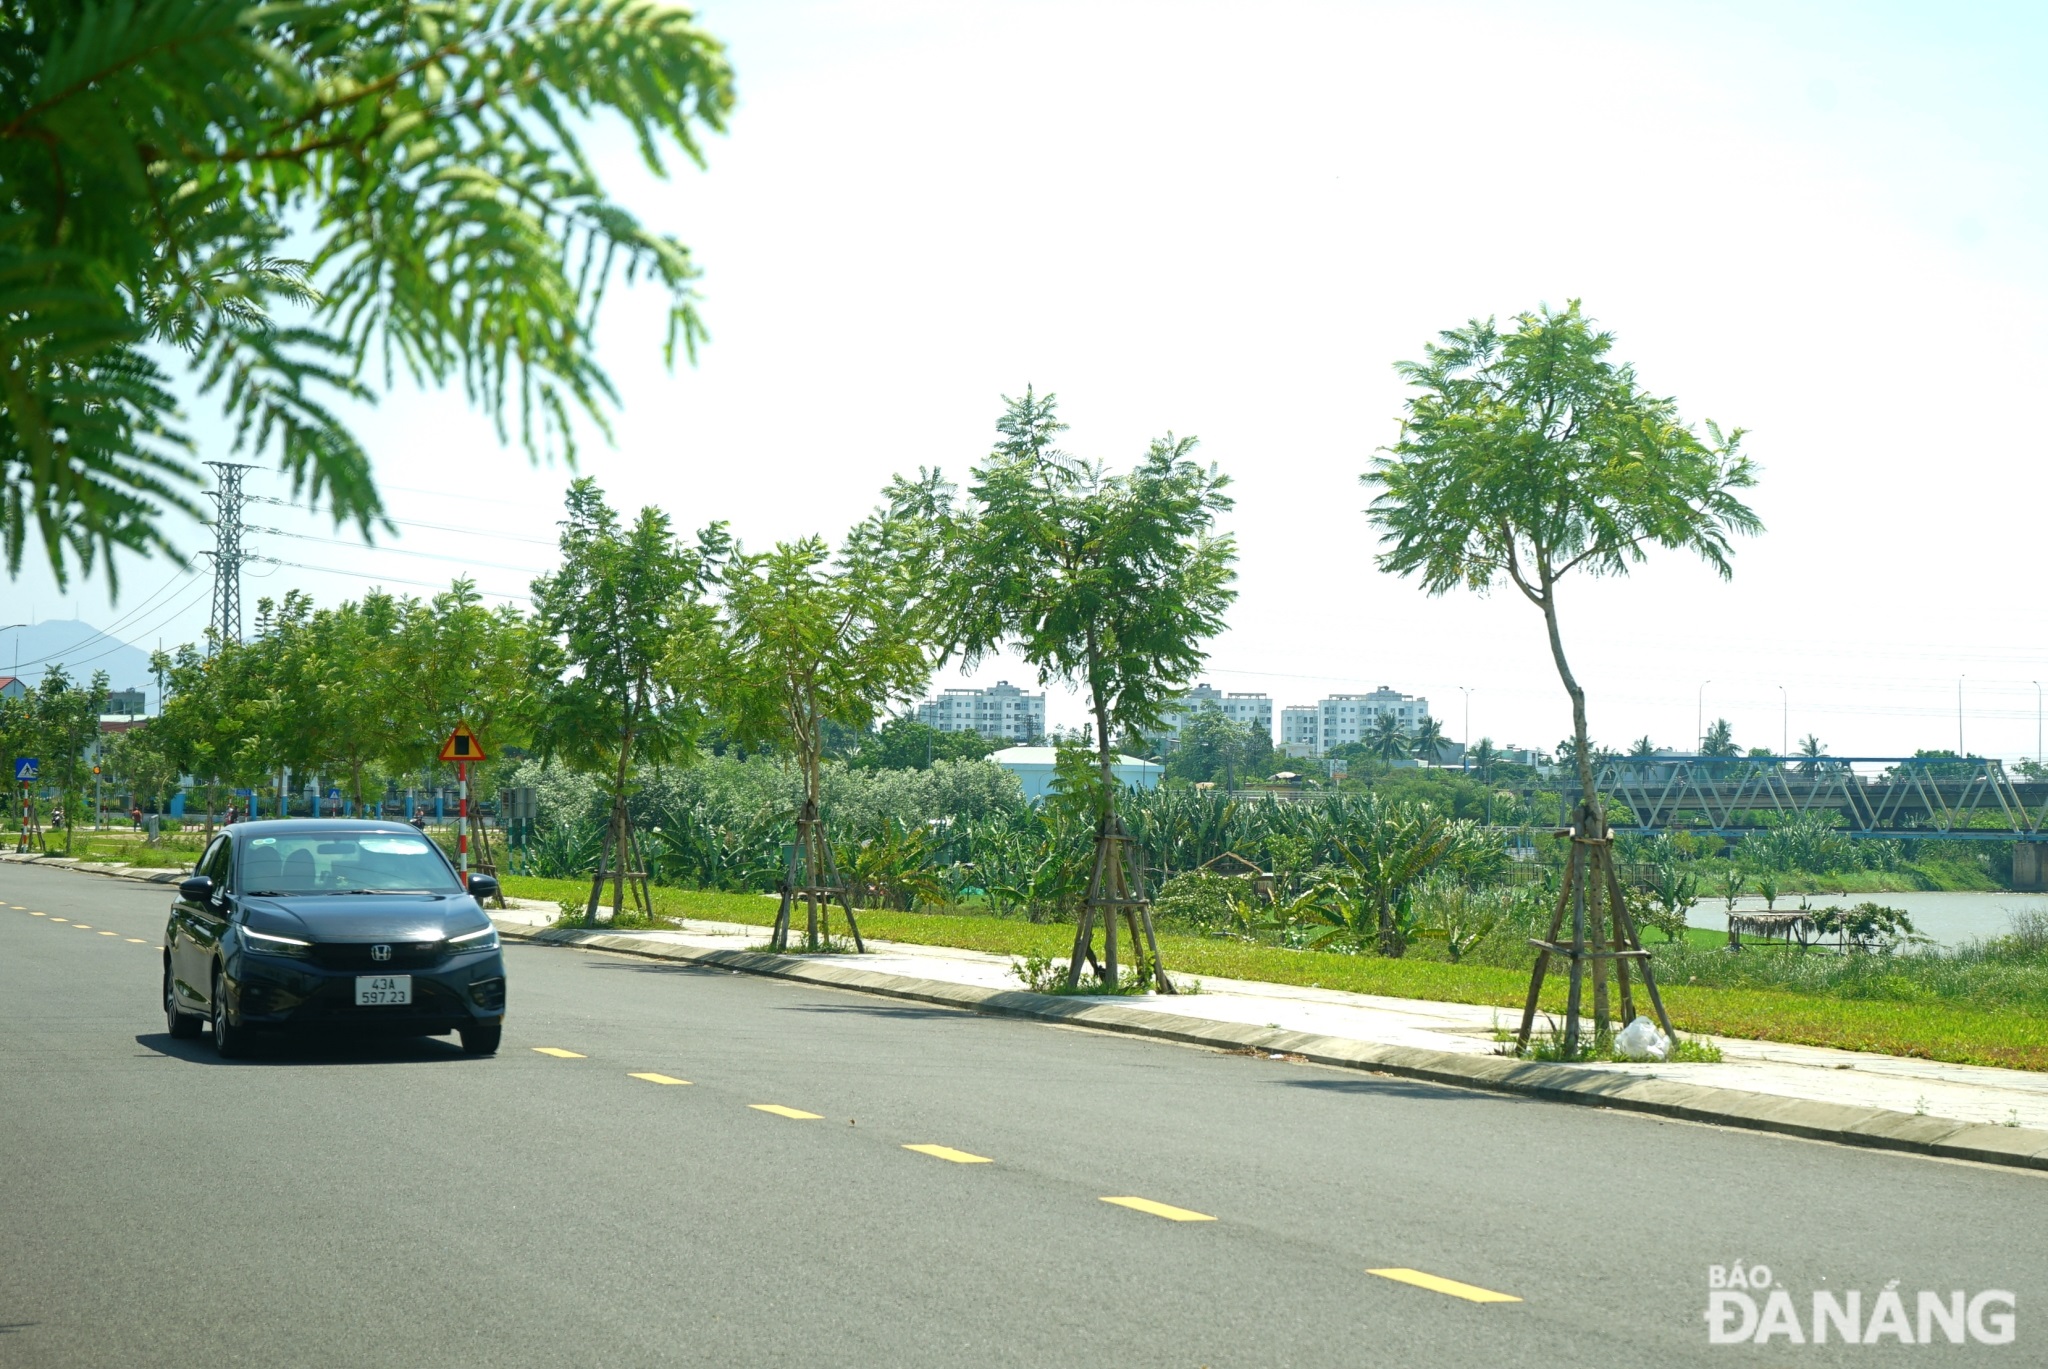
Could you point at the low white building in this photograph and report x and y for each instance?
(1312, 730)
(1252, 710)
(1034, 767)
(1001, 712)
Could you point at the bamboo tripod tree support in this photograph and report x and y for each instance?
(1602, 931)
(487, 860)
(811, 875)
(31, 838)
(621, 861)
(1116, 889)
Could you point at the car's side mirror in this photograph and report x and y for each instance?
(198, 888)
(483, 886)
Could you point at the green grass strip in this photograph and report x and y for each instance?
(1929, 1030)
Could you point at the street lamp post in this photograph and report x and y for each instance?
(1699, 719)
(2037, 721)
(1960, 750)
(1784, 723)
(1465, 745)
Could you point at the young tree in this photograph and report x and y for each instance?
(143, 763)
(456, 660)
(1530, 454)
(904, 743)
(807, 640)
(159, 158)
(212, 707)
(60, 721)
(340, 670)
(1212, 748)
(1111, 582)
(606, 627)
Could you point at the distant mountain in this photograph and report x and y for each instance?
(81, 649)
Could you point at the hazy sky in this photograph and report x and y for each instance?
(1824, 223)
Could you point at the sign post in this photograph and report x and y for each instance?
(462, 747)
(27, 769)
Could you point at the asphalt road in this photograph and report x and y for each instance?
(404, 1204)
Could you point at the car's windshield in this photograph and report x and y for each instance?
(350, 862)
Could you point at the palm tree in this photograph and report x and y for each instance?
(1429, 741)
(1810, 752)
(1643, 748)
(1720, 740)
(1483, 754)
(1386, 739)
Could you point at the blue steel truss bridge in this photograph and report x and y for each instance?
(1973, 799)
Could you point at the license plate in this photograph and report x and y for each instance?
(376, 990)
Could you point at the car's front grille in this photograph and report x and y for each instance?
(334, 955)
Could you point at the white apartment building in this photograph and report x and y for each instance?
(1300, 725)
(1002, 711)
(1342, 718)
(1252, 710)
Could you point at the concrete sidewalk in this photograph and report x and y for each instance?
(1980, 1113)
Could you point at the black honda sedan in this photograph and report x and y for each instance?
(354, 927)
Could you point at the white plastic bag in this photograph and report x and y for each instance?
(1640, 1040)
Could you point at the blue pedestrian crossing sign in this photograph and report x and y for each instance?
(26, 769)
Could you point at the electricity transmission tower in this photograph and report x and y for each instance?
(227, 553)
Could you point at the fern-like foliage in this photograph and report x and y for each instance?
(422, 158)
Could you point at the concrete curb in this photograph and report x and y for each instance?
(137, 874)
(1875, 1128)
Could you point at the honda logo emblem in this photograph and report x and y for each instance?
(380, 953)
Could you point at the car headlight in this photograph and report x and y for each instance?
(268, 944)
(485, 940)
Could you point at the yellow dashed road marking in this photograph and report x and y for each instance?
(60, 919)
(780, 1111)
(1436, 1284)
(958, 1157)
(1166, 1210)
(40, 915)
(658, 1078)
(110, 934)
(83, 926)
(138, 941)
(559, 1053)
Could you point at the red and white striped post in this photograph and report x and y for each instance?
(462, 816)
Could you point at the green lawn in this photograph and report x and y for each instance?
(1937, 1030)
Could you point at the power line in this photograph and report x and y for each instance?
(169, 617)
(400, 551)
(385, 579)
(109, 629)
(429, 527)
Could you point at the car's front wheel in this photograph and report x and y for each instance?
(481, 1040)
(228, 1039)
(182, 1025)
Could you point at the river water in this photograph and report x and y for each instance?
(1947, 918)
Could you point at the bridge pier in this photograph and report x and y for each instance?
(2030, 865)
